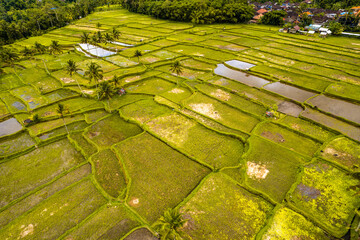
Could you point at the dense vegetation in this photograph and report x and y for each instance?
(231, 11)
(20, 18)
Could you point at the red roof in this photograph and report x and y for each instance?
(263, 10)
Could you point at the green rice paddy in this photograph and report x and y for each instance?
(278, 159)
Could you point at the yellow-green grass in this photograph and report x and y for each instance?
(117, 102)
(192, 63)
(144, 110)
(10, 81)
(221, 112)
(344, 90)
(224, 45)
(177, 94)
(111, 130)
(165, 55)
(321, 194)
(308, 128)
(108, 173)
(287, 138)
(94, 116)
(53, 217)
(201, 52)
(65, 79)
(203, 144)
(121, 61)
(161, 177)
(14, 104)
(31, 75)
(110, 222)
(221, 209)
(105, 66)
(270, 168)
(47, 84)
(186, 72)
(30, 96)
(60, 94)
(62, 131)
(163, 43)
(16, 143)
(81, 144)
(287, 224)
(32, 200)
(344, 152)
(54, 62)
(144, 49)
(151, 86)
(3, 110)
(185, 37)
(232, 99)
(36, 168)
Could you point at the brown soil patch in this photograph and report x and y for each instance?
(344, 157)
(134, 202)
(88, 91)
(276, 137)
(295, 126)
(206, 109)
(132, 79)
(27, 230)
(176, 90)
(220, 94)
(256, 171)
(94, 134)
(67, 80)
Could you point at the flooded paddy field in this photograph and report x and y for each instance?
(248, 139)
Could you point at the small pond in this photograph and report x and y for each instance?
(290, 92)
(239, 64)
(95, 50)
(9, 126)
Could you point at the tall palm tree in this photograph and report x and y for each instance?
(106, 91)
(108, 38)
(38, 47)
(99, 36)
(94, 72)
(26, 52)
(176, 67)
(138, 54)
(55, 47)
(117, 81)
(85, 37)
(116, 34)
(61, 110)
(8, 56)
(71, 68)
(169, 224)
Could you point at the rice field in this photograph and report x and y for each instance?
(257, 137)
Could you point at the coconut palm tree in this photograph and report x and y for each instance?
(8, 56)
(71, 68)
(94, 72)
(27, 52)
(55, 47)
(38, 47)
(116, 34)
(137, 54)
(168, 226)
(106, 91)
(108, 38)
(85, 37)
(176, 67)
(99, 36)
(117, 81)
(61, 110)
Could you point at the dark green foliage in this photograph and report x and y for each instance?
(169, 224)
(232, 11)
(176, 68)
(274, 18)
(305, 20)
(336, 28)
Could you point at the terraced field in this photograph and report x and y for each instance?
(258, 137)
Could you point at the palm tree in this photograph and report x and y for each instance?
(116, 34)
(6, 55)
(138, 54)
(61, 110)
(106, 91)
(85, 37)
(117, 81)
(108, 38)
(71, 68)
(55, 47)
(38, 47)
(99, 36)
(169, 225)
(94, 72)
(26, 52)
(176, 67)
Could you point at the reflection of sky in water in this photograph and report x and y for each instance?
(122, 44)
(80, 50)
(9, 126)
(19, 105)
(94, 50)
(239, 64)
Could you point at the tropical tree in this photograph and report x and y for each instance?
(55, 47)
(99, 36)
(38, 47)
(117, 81)
(168, 226)
(116, 34)
(94, 72)
(85, 37)
(108, 38)
(137, 54)
(62, 110)
(98, 25)
(106, 91)
(176, 67)
(71, 68)
(8, 56)
(26, 52)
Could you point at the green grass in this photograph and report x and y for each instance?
(220, 209)
(111, 130)
(151, 86)
(321, 192)
(199, 142)
(108, 173)
(35, 169)
(270, 168)
(15, 144)
(287, 138)
(160, 176)
(345, 90)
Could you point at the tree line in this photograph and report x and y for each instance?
(26, 18)
(204, 12)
